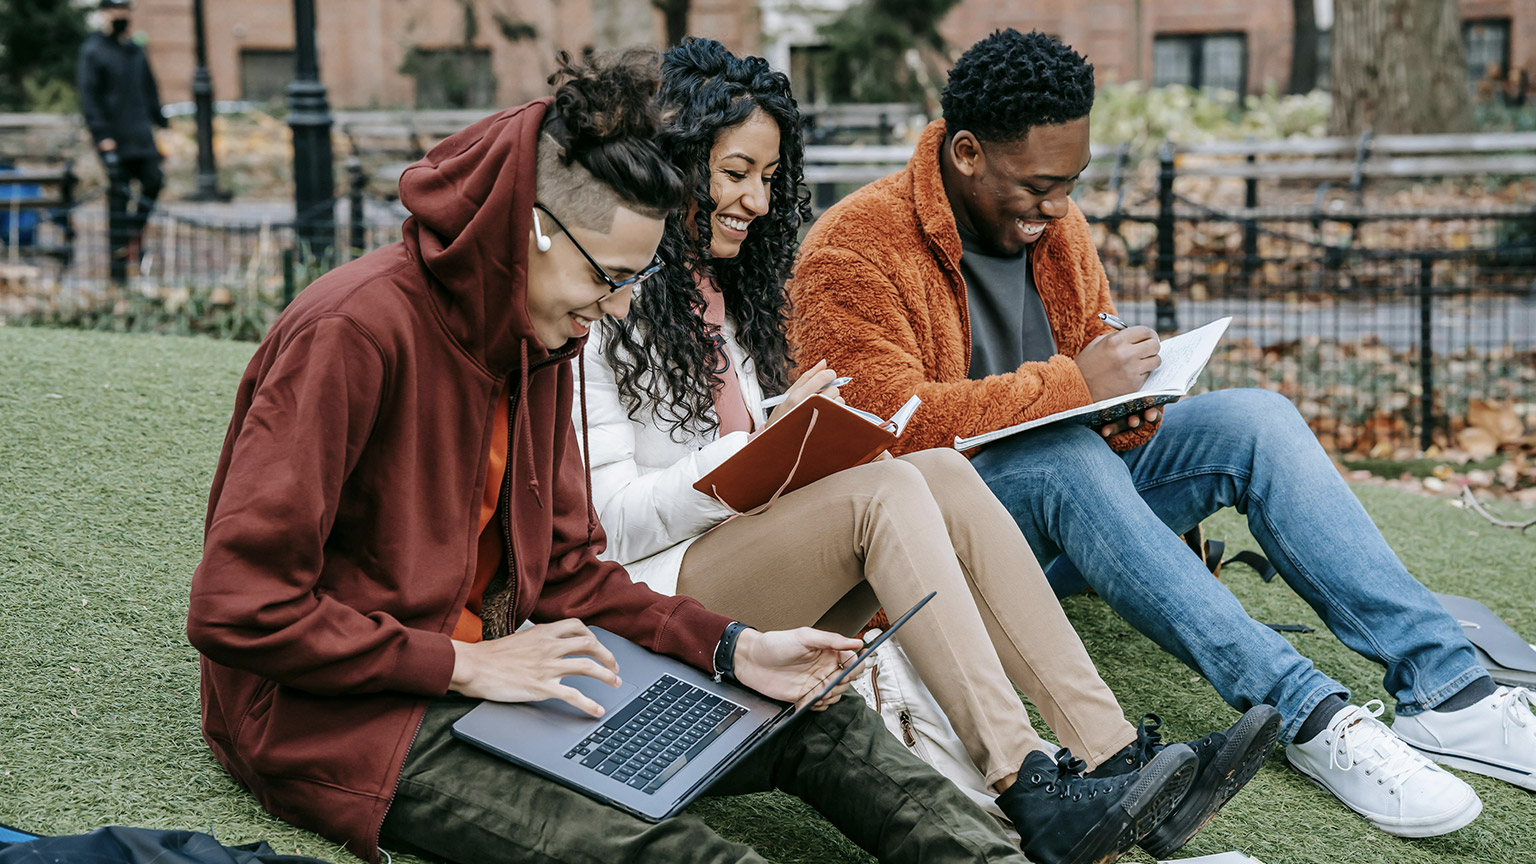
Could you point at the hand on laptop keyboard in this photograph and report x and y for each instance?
(527, 666)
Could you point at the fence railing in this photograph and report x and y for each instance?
(1380, 311)
(1382, 318)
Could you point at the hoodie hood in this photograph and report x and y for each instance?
(471, 203)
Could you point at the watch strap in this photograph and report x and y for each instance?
(725, 651)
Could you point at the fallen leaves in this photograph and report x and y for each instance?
(1478, 443)
(1364, 398)
(1496, 422)
(19, 278)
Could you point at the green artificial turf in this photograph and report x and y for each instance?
(107, 447)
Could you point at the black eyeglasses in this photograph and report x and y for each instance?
(614, 285)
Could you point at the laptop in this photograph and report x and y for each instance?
(668, 732)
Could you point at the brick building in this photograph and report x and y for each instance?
(402, 53)
(398, 53)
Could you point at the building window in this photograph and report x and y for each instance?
(1487, 44)
(451, 77)
(265, 73)
(1205, 60)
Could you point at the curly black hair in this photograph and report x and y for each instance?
(1010, 82)
(663, 353)
(606, 117)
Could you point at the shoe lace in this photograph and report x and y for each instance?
(1148, 739)
(1359, 739)
(1516, 705)
(1069, 781)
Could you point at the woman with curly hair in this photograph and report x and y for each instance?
(677, 387)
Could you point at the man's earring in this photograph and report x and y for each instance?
(539, 239)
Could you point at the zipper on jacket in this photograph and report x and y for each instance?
(506, 482)
(378, 839)
(907, 736)
(506, 536)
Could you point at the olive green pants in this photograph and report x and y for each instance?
(460, 803)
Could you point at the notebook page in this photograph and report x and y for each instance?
(898, 421)
(904, 414)
(1184, 356)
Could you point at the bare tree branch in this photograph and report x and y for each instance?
(1476, 506)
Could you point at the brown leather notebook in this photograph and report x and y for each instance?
(820, 437)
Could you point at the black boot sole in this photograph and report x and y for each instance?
(1162, 784)
(1248, 744)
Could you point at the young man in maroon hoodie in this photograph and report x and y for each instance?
(401, 488)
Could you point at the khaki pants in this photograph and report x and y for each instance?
(889, 532)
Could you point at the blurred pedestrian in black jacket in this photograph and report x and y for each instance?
(121, 103)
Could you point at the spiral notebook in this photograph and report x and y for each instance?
(817, 439)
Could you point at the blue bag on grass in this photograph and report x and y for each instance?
(138, 846)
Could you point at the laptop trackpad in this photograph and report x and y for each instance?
(599, 692)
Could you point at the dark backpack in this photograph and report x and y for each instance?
(138, 846)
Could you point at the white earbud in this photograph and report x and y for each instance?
(540, 240)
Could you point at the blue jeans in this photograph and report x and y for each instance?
(1095, 518)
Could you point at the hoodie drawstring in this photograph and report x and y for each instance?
(586, 447)
(524, 425)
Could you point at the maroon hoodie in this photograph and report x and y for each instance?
(341, 531)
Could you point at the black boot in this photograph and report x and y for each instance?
(1064, 817)
(1227, 761)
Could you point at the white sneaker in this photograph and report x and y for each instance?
(1496, 736)
(1377, 775)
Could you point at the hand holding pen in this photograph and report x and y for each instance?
(1117, 363)
(818, 379)
(776, 401)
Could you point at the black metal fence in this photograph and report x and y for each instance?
(1381, 323)
(1381, 316)
(227, 269)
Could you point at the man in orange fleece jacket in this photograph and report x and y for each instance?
(970, 278)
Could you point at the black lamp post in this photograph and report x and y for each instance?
(202, 96)
(309, 116)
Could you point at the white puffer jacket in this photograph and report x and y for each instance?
(642, 477)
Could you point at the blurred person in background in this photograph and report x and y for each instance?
(121, 104)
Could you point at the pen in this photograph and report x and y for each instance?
(1112, 321)
(776, 401)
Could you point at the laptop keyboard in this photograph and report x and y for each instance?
(656, 734)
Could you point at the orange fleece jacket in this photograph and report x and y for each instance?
(877, 292)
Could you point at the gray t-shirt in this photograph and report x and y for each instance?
(1008, 323)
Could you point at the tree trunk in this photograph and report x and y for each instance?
(675, 12)
(1304, 47)
(930, 67)
(623, 23)
(1398, 67)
